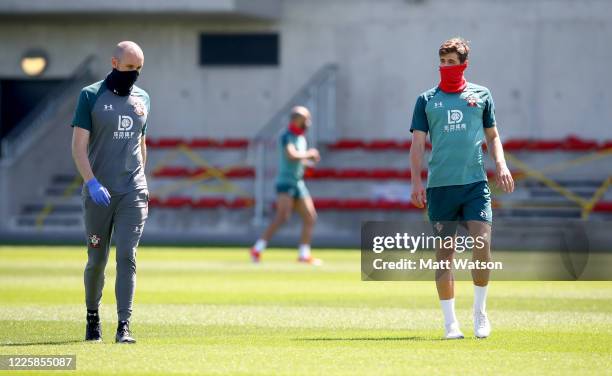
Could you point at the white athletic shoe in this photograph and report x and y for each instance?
(482, 326)
(452, 331)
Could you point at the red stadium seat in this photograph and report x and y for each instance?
(171, 172)
(201, 203)
(326, 203)
(543, 145)
(405, 145)
(362, 204)
(166, 143)
(603, 207)
(347, 144)
(184, 172)
(198, 143)
(240, 172)
(203, 143)
(320, 173)
(234, 143)
(176, 202)
(239, 203)
(208, 203)
(606, 145)
(573, 143)
(406, 205)
(154, 202)
(311, 174)
(516, 144)
(197, 171)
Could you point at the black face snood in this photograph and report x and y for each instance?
(121, 82)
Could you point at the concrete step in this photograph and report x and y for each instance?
(36, 208)
(50, 221)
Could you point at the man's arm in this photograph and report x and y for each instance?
(143, 150)
(503, 176)
(417, 151)
(294, 154)
(80, 143)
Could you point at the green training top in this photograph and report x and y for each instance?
(455, 124)
(116, 125)
(290, 171)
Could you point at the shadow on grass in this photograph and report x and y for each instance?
(407, 339)
(41, 343)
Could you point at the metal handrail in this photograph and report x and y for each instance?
(323, 75)
(319, 95)
(29, 129)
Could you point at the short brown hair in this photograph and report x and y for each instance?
(458, 45)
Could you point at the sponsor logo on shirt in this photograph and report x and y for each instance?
(455, 118)
(125, 124)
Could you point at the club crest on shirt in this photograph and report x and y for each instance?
(472, 101)
(139, 107)
(94, 241)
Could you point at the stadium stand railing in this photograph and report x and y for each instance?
(37, 122)
(33, 146)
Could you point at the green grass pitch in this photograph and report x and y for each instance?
(209, 311)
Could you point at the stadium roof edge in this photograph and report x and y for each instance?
(260, 9)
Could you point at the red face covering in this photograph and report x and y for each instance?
(451, 78)
(295, 129)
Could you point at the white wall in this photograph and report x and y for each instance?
(545, 62)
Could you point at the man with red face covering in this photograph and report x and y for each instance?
(458, 115)
(290, 188)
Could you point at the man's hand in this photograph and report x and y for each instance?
(418, 196)
(503, 178)
(98, 193)
(313, 155)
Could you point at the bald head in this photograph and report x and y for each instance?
(301, 114)
(127, 56)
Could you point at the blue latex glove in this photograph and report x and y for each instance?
(98, 193)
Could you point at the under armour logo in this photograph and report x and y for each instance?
(108, 107)
(438, 104)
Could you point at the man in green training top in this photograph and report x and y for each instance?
(290, 187)
(109, 150)
(458, 115)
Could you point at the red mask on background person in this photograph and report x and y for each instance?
(452, 79)
(296, 129)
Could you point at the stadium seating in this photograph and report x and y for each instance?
(357, 179)
(380, 161)
(197, 143)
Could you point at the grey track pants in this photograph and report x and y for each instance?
(124, 220)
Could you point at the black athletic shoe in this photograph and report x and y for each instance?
(93, 330)
(123, 333)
